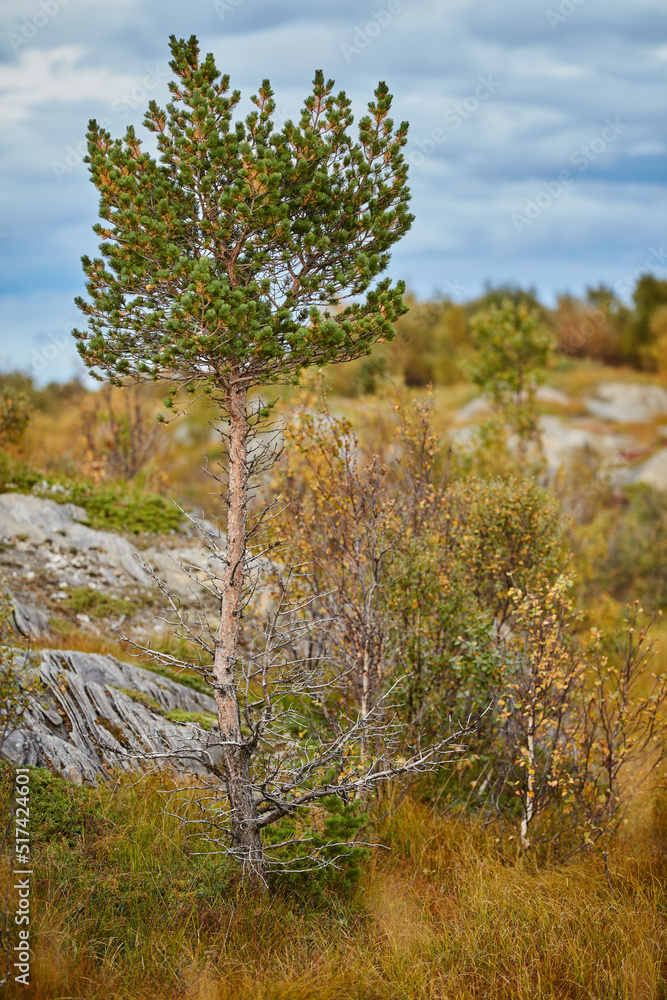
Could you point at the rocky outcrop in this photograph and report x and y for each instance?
(43, 523)
(627, 402)
(30, 621)
(621, 452)
(95, 714)
(653, 472)
(560, 440)
(76, 555)
(60, 570)
(54, 565)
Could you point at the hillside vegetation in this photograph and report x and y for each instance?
(504, 508)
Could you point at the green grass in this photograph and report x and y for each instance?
(143, 699)
(96, 603)
(124, 909)
(201, 719)
(187, 678)
(116, 506)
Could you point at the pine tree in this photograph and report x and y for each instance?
(224, 265)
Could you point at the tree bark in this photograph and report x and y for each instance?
(529, 808)
(237, 753)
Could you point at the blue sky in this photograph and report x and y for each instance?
(537, 144)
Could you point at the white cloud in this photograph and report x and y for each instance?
(54, 75)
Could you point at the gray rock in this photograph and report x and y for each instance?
(545, 394)
(628, 403)
(97, 714)
(560, 440)
(480, 406)
(39, 521)
(477, 407)
(653, 472)
(30, 621)
(31, 748)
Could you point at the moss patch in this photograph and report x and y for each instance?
(143, 699)
(201, 719)
(97, 604)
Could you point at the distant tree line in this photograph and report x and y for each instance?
(434, 340)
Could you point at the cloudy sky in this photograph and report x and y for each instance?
(537, 142)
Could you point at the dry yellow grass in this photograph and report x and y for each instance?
(125, 916)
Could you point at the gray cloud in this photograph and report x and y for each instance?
(477, 160)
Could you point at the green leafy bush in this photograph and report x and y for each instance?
(503, 534)
(624, 550)
(513, 348)
(16, 476)
(15, 414)
(59, 810)
(331, 838)
(448, 588)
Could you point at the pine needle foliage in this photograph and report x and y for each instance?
(227, 258)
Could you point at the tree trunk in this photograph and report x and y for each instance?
(529, 807)
(245, 832)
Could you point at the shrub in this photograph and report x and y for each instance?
(16, 475)
(334, 862)
(59, 811)
(503, 534)
(450, 593)
(119, 508)
(624, 550)
(432, 340)
(441, 639)
(577, 728)
(15, 414)
(513, 347)
(109, 507)
(596, 328)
